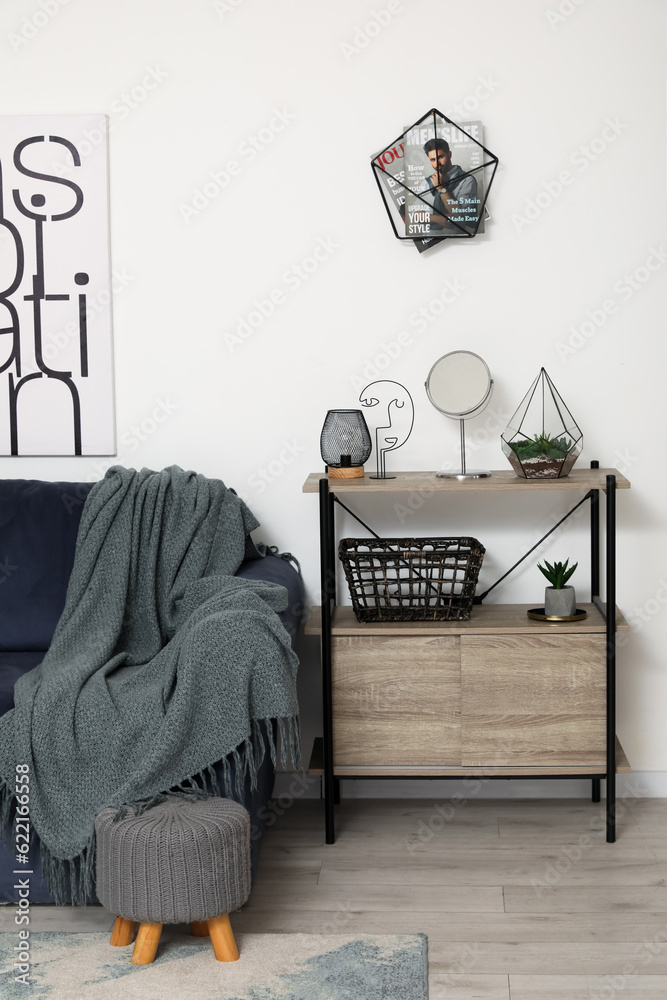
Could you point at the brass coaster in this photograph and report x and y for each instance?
(539, 615)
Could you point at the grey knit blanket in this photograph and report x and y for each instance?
(162, 664)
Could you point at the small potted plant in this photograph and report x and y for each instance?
(560, 599)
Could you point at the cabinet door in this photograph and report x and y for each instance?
(533, 701)
(396, 701)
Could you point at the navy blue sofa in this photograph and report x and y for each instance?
(39, 522)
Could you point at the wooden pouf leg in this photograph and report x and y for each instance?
(222, 939)
(146, 944)
(123, 932)
(199, 928)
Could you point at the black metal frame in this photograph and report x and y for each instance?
(331, 790)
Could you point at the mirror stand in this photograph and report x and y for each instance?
(464, 472)
(459, 385)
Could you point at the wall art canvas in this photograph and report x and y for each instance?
(56, 360)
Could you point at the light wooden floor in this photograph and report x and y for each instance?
(521, 900)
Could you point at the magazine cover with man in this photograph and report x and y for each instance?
(441, 169)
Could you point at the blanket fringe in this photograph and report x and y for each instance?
(6, 801)
(70, 879)
(258, 743)
(246, 759)
(213, 779)
(290, 743)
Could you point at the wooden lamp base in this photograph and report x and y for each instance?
(345, 472)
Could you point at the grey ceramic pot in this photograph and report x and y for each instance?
(560, 603)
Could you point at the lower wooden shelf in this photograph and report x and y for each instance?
(316, 769)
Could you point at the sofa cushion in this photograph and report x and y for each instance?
(13, 666)
(39, 522)
(277, 570)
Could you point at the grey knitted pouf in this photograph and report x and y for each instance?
(179, 862)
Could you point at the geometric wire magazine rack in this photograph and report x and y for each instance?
(398, 188)
(542, 439)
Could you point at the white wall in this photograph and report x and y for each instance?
(545, 85)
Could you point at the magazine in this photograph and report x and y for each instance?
(448, 189)
(392, 172)
(392, 175)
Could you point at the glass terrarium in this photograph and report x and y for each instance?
(542, 440)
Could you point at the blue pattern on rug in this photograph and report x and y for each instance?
(355, 971)
(272, 967)
(115, 971)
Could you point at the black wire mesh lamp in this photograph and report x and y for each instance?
(345, 443)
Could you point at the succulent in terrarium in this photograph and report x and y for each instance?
(542, 444)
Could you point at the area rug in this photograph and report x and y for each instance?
(80, 966)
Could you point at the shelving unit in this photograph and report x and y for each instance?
(500, 695)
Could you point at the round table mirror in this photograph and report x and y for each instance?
(459, 385)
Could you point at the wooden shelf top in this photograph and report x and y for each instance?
(506, 479)
(500, 619)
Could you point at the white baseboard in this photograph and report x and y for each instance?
(639, 784)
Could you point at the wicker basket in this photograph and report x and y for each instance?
(411, 579)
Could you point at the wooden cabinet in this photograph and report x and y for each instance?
(500, 694)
